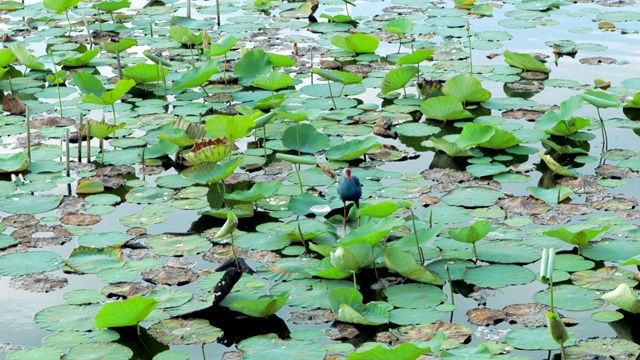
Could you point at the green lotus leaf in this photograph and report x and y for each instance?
(6, 57)
(14, 163)
(600, 99)
(184, 36)
(524, 61)
(471, 234)
(90, 187)
(444, 108)
(552, 195)
(100, 129)
(352, 149)
(253, 64)
(210, 151)
(222, 46)
(263, 306)
(144, 73)
(397, 78)
(88, 83)
(418, 56)
(81, 60)
(492, 276)
(624, 298)
(68, 317)
(270, 346)
(356, 43)
(347, 302)
(379, 210)
(579, 238)
(197, 75)
(404, 264)
(273, 81)
(450, 148)
(60, 6)
(556, 167)
(111, 96)
(466, 88)
(178, 331)
(15, 264)
(399, 26)
(26, 58)
(257, 192)
(118, 46)
(210, 173)
(11, 5)
(129, 312)
(304, 138)
(111, 6)
(23, 203)
(230, 128)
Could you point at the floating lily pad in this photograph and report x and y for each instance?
(99, 350)
(415, 296)
(68, 317)
(174, 245)
(571, 297)
(14, 264)
(269, 346)
(492, 276)
(535, 339)
(472, 196)
(184, 332)
(100, 240)
(29, 204)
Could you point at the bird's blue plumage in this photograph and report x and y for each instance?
(349, 188)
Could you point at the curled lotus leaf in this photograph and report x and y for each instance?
(208, 150)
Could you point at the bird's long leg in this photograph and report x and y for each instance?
(344, 219)
(358, 214)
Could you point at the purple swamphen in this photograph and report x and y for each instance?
(349, 189)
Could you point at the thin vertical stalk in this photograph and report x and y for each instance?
(446, 268)
(88, 143)
(28, 120)
(67, 155)
(80, 138)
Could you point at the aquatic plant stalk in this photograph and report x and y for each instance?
(446, 268)
(468, 28)
(605, 141)
(86, 26)
(28, 120)
(80, 138)
(55, 80)
(88, 143)
(415, 233)
(66, 152)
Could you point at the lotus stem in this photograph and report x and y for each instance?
(218, 12)
(88, 143)
(475, 253)
(311, 63)
(66, 13)
(331, 94)
(468, 28)
(113, 108)
(551, 295)
(399, 43)
(605, 141)
(304, 243)
(233, 250)
(28, 120)
(80, 139)
(66, 152)
(150, 29)
(297, 167)
(446, 268)
(264, 142)
(355, 286)
(224, 69)
(189, 8)
(415, 233)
